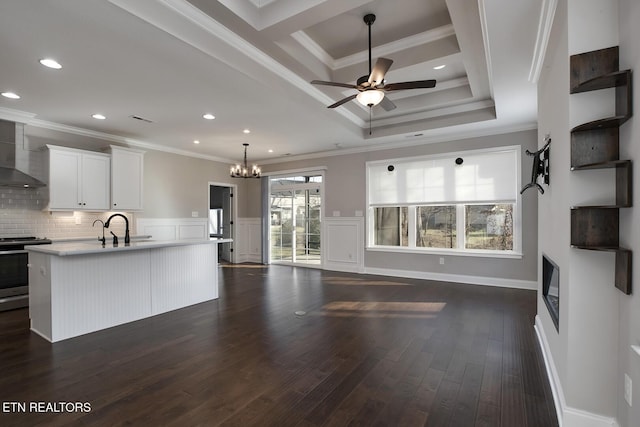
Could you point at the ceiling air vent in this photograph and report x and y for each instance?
(142, 119)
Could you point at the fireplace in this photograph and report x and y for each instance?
(551, 288)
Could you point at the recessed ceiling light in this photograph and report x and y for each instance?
(10, 95)
(439, 67)
(98, 116)
(209, 116)
(196, 142)
(51, 63)
(271, 151)
(246, 131)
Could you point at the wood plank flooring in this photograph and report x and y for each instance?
(371, 351)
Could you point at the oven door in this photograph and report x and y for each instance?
(14, 273)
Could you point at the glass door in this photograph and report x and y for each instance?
(296, 220)
(282, 229)
(307, 230)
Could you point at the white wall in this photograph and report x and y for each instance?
(591, 349)
(629, 305)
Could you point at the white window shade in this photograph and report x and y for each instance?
(487, 176)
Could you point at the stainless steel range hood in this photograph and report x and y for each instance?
(11, 134)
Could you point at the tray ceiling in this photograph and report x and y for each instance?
(249, 62)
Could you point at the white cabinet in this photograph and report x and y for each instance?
(78, 179)
(127, 173)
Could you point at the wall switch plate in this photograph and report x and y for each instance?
(194, 214)
(628, 389)
(441, 260)
(336, 213)
(78, 218)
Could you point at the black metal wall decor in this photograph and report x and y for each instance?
(540, 166)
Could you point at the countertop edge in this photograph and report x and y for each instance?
(85, 248)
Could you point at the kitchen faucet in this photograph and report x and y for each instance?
(126, 233)
(103, 226)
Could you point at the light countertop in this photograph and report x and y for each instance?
(95, 238)
(87, 248)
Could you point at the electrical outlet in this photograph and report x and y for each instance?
(194, 214)
(628, 389)
(441, 260)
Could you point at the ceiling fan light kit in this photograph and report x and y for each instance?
(369, 98)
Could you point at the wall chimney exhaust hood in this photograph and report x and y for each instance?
(11, 134)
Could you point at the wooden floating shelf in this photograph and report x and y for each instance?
(610, 122)
(595, 145)
(615, 79)
(603, 165)
(598, 248)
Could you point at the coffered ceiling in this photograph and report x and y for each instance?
(250, 63)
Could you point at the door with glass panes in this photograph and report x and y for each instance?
(295, 220)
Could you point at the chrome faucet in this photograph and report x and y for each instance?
(101, 222)
(126, 233)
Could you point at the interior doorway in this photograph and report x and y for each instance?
(222, 210)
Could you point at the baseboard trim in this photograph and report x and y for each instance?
(343, 267)
(567, 416)
(552, 373)
(254, 258)
(455, 278)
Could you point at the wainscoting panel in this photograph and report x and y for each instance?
(248, 243)
(344, 244)
(173, 228)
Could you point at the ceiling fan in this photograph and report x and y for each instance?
(371, 88)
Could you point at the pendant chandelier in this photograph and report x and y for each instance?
(242, 171)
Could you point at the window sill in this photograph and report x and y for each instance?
(449, 252)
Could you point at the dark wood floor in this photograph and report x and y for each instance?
(371, 351)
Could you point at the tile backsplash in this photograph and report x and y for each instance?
(22, 214)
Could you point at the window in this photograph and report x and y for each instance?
(489, 227)
(391, 226)
(436, 227)
(462, 203)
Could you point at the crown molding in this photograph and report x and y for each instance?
(461, 134)
(485, 40)
(314, 48)
(186, 11)
(547, 13)
(43, 124)
(430, 114)
(395, 46)
(16, 115)
(261, 3)
(8, 114)
(386, 49)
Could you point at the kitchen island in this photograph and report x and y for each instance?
(81, 287)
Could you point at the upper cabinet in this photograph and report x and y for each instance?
(78, 179)
(127, 174)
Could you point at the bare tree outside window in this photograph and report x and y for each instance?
(489, 227)
(436, 226)
(391, 226)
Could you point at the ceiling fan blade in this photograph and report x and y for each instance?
(342, 101)
(387, 104)
(379, 70)
(418, 84)
(321, 82)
